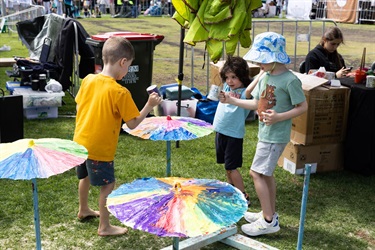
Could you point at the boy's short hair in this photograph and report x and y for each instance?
(116, 48)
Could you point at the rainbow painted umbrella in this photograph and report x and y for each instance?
(29, 159)
(177, 207)
(170, 128)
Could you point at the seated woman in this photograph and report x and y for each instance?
(325, 54)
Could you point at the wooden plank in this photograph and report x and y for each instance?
(245, 243)
(204, 240)
(7, 62)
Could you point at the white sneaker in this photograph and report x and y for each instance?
(252, 217)
(260, 227)
(5, 48)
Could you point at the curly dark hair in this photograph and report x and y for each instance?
(239, 67)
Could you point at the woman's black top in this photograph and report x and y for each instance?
(319, 57)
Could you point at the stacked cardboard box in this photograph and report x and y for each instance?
(318, 134)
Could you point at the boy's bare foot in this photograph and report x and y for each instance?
(86, 215)
(112, 230)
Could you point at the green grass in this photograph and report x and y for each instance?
(340, 204)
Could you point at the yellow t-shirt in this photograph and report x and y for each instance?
(102, 104)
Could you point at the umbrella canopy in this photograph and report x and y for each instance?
(27, 159)
(177, 207)
(40, 158)
(171, 128)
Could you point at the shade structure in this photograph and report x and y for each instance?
(170, 128)
(177, 207)
(29, 159)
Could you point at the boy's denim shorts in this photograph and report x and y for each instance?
(100, 173)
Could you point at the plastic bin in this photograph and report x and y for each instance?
(40, 112)
(12, 85)
(139, 76)
(33, 98)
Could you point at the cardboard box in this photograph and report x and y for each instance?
(322, 157)
(326, 118)
(215, 68)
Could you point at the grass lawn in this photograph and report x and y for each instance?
(340, 209)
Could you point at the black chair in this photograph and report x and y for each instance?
(302, 67)
(373, 66)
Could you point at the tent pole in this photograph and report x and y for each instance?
(180, 75)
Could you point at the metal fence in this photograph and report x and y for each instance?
(16, 13)
(364, 11)
(300, 35)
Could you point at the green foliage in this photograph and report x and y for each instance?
(340, 204)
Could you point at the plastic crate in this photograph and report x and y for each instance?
(12, 85)
(41, 112)
(33, 98)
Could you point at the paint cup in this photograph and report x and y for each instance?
(213, 95)
(360, 76)
(370, 81)
(153, 89)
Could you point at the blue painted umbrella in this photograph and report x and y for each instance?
(28, 159)
(170, 128)
(177, 207)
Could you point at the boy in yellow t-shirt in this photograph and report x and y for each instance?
(102, 104)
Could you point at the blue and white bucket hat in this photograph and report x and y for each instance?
(268, 47)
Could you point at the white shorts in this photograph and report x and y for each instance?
(266, 157)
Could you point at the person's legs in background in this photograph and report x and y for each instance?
(47, 7)
(58, 4)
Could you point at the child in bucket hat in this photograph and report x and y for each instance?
(278, 97)
(268, 47)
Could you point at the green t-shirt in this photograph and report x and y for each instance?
(280, 93)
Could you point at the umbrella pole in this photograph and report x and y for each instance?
(168, 158)
(303, 205)
(175, 243)
(180, 75)
(36, 214)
